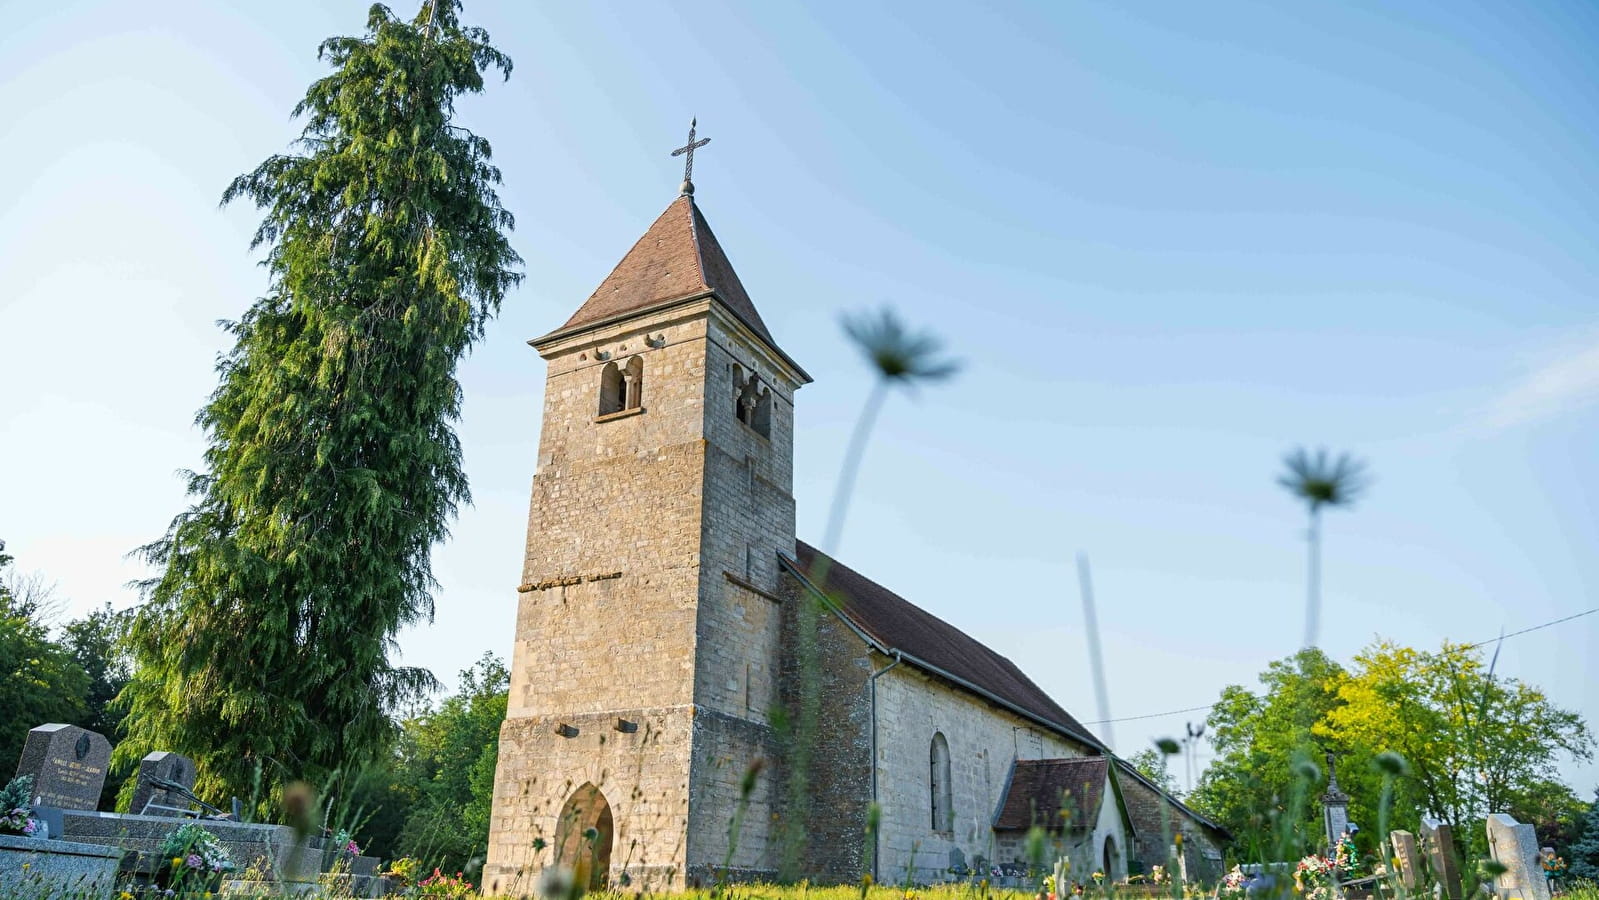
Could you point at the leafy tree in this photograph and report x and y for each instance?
(96, 643)
(39, 680)
(1320, 482)
(1250, 784)
(435, 799)
(1475, 743)
(1151, 764)
(263, 647)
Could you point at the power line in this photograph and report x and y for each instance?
(1586, 612)
(1151, 715)
(1175, 712)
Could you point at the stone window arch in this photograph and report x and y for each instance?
(940, 791)
(611, 389)
(633, 384)
(622, 387)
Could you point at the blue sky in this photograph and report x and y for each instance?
(1169, 241)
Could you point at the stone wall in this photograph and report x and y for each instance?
(1202, 849)
(643, 775)
(984, 739)
(827, 845)
(746, 521)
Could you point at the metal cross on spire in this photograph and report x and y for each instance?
(688, 165)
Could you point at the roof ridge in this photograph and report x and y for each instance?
(694, 217)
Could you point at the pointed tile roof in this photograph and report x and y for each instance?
(677, 257)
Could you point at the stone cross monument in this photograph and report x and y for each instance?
(1334, 806)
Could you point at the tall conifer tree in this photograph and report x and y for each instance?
(263, 648)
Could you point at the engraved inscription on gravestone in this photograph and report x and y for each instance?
(1404, 844)
(174, 767)
(1514, 845)
(68, 765)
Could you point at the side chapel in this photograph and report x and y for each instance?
(656, 636)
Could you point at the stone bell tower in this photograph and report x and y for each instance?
(647, 631)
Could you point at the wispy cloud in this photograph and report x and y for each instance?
(1558, 385)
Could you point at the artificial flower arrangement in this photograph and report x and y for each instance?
(1232, 884)
(345, 843)
(16, 808)
(1553, 866)
(1313, 878)
(1344, 858)
(196, 855)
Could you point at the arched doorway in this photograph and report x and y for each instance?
(1113, 861)
(583, 835)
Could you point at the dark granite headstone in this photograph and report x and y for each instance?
(68, 765)
(1437, 838)
(162, 764)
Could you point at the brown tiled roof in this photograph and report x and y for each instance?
(677, 257)
(895, 623)
(1040, 788)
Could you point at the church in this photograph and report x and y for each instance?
(670, 626)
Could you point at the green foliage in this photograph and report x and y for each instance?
(1467, 743)
(1151, 763)
(1250, 785)
(433, 801)
(96, 644)
(17, 794)
(40, 682)
(1583, 854)
(1475, 743)
(332, 468)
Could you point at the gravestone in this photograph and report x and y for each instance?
(68, 765)
(1334, 806)
(174, 767)
(1515, 846)
(1409, 856)
(1438, 842)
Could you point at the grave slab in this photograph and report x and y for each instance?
(42, 869)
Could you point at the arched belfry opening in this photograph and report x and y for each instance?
(622, 387)
(752, 402)
(584, 834)
(611, 389)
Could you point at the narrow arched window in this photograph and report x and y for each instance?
(611, 389)
(939, 789)
(633, 384)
